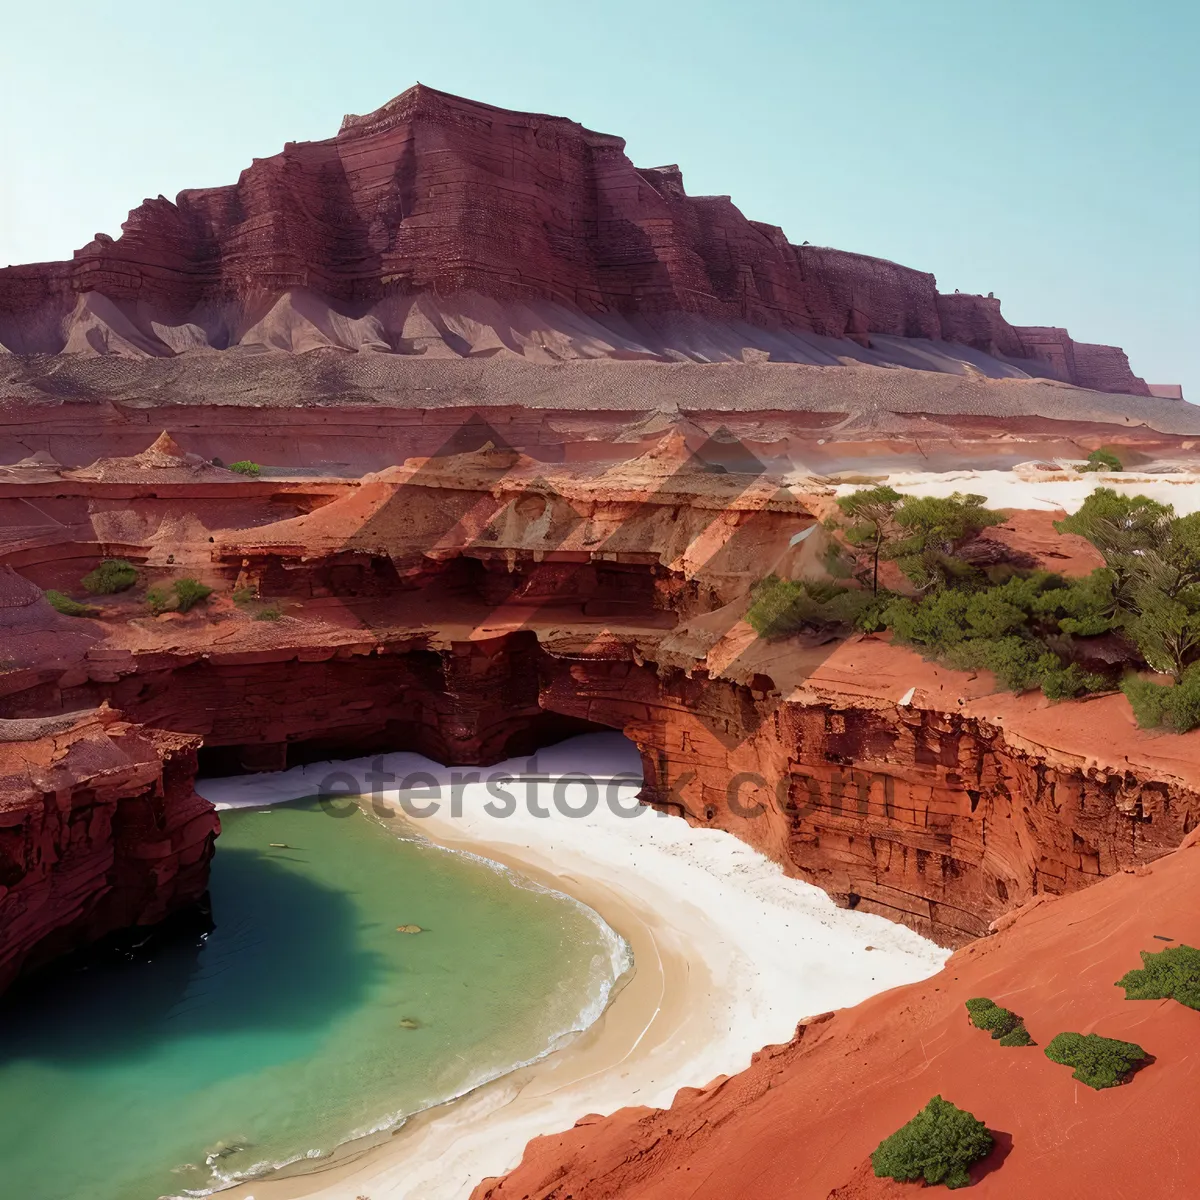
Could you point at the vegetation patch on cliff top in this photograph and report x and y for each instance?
(183, 595)
(965, 605)
(1103, 460)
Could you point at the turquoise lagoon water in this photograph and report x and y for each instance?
(289, 1028)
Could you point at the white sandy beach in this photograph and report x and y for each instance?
(1022, 487)
(729, 955)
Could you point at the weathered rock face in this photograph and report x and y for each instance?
(977, 321)
(1105, 368)
(100, 830)
(928, 818)
(327, 244)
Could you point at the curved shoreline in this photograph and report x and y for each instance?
(705, 917)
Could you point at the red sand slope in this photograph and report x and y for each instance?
(801, 1121)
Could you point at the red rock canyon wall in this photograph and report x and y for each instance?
(100, 830)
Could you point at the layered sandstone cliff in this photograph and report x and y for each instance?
(100, 830)
(440, 226)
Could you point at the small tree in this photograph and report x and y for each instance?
(1167, 631)
(1153, 561)
(1171, 974)
(1125, 529)
(937, 1145)
(873, 513)
(932, 528)
(1099, 1062)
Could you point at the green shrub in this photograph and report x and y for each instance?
(1155, 705)
(1017, 1036)
(1171, 974)
(111, 576)
(987, 1014)
(937, 1145)
(1007, 628)
(1099, 1062)
(189, 592)
(1065, 683)
(244, 595)
(68, 607)
(1165, 628)
(270, 613)
(184, 594)
(160, 600)
(1103, 460)
(1017, 663)
(1003, 1024)
(872, 616)
(782, 607)
(1153, 563)
(246, 467)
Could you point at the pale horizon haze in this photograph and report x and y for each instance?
(1049, 153)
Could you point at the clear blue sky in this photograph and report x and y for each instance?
(1047, 150)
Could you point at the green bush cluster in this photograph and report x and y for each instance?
(190, 592)
(61, 602)
(1099, 1062)
(921, 534)
(272, 612)
(782, 607)
(1152, 566)
(1155, 705)
(111, 576)
(1018, 1035)
(246, 467)
(1002, 1023)
(1021, 630)
(1029, 628)
(937, 1145)
(1171, 974)
(1103, 460)
(183, 595)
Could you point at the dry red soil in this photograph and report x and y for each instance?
(803, 1119)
